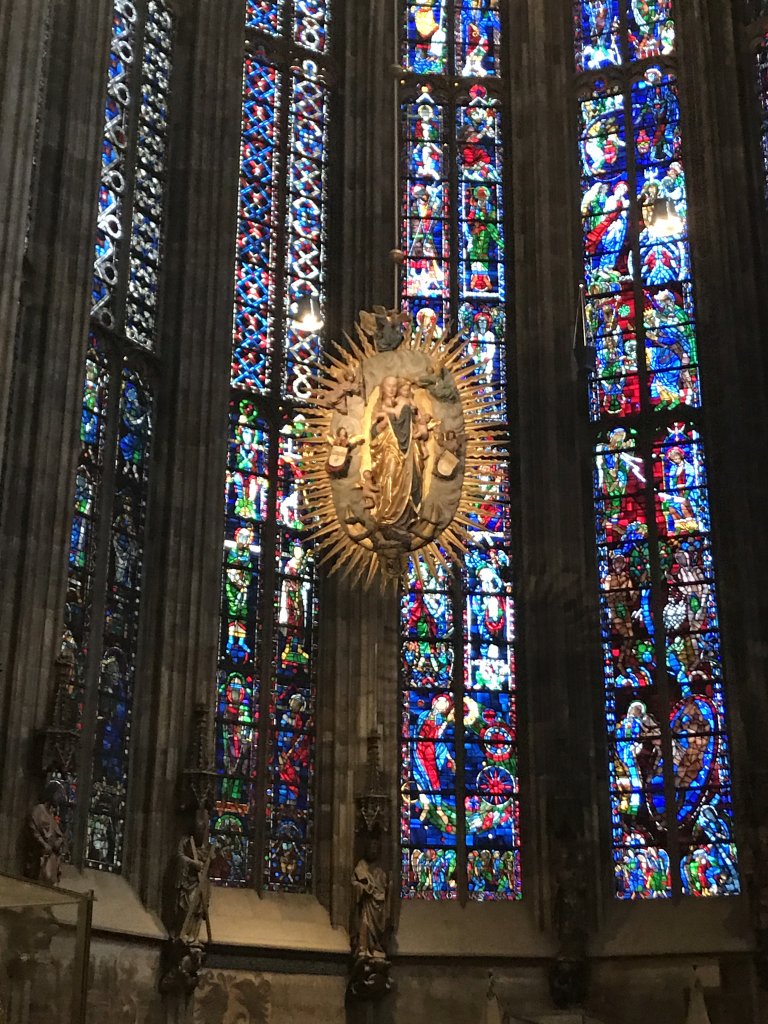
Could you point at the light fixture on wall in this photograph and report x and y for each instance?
(307, 316)
(666, 220)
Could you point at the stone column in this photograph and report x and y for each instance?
(559, 665)
(36, 512)
(368, 202)
(23, 30)
(358, 673)
(725, 211)
(180, 618)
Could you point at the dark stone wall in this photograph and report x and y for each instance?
(123, 990)
(48, 329)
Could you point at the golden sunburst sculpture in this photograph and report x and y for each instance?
(403, 437)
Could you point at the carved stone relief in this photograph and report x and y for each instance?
(231, 997)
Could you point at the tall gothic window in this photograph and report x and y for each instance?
(107, 539)
(761, 71)
(262, 822)
(670, 780)
(459, 834)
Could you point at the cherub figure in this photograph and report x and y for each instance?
(340, 455)
(344, 386)
(450, 447)
(385, 326)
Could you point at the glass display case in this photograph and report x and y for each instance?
(44, 951)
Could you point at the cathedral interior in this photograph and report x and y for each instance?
(450, 302)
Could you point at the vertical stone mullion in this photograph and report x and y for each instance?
(734, 367)
(357, 678)
(22, 49)
(47, 391)
(182, 610)
(370, 156)
(559, 660)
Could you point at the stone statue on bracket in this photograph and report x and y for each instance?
(184, 953)
(569, 976)
(46, 842)
(371, 923)
(371, 886)
(193, 887)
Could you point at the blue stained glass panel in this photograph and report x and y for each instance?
(490, 724)
(597, 34)
(291, 772)
(642, 871)
(255, 268)
(429, 768)
(114, 169)
(237, 714)
(265, 15)
(307, 167)
(441, 206)
(280, 252)
(106, 813)
(230, 863)
(149, 188)
(88, 501)
(628, 261)
(430, 873)
(425, 49)
(602, 137)
(710, 869)
(426, 210)
(427, 665)
(427, 614)
(651, 28)
(478, 38)
(671, 347)
(481, 256)
(311, 24)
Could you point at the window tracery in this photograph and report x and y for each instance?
(665, 702)
(104, 587)
(460, 810)
(262, 824)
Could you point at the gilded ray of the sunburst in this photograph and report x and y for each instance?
(368, 559)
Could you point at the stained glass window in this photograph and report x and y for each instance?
(425, 50)
(669, 764)
(609, 32)
(107, 537)
(257, 253)
(262, 823)
(476, 29)
(459, 815)
(761, 62)
(265, 15)
(110, 224)
(149, 186)
(306, 220)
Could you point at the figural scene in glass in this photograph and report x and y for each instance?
(460, 810)
(264, 725)
(665, 705)
(104, 591)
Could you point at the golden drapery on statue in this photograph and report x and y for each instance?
(399, 434)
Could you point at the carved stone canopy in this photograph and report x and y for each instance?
(374, 803)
